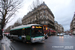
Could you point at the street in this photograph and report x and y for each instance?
(37, 25)
(65, 42)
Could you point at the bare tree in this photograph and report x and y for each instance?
(18, 22)
(8, 9)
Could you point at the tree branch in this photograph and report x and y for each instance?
(8, 9)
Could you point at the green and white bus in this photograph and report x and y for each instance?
(28, 33)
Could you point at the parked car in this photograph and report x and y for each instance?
(63, 33)
(60, 34)
(7, 34)
(66, 33)
(70, 34)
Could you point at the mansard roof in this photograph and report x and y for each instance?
(43, 4)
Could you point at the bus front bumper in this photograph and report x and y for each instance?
(41, 39)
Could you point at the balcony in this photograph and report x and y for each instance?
(38, 20)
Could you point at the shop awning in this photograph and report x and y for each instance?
(52, 31)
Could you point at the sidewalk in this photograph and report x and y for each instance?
(4, 44)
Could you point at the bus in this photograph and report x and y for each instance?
(28, 33)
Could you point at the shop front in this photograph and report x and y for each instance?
(48, 30)
(52, 32)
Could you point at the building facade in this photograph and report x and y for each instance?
(61, 29)
(72, 25)
(8, 29)
(58, 27)
(40, 15)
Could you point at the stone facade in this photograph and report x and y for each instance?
(72, 25)
(61, 29)
(40, 15)
(58, 27)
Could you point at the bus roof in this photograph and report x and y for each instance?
(23, 26)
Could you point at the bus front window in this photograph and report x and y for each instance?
(37, 32)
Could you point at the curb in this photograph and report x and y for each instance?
(4, 45)
(0, 45)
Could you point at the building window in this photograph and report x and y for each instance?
(40, 16)
(74, 22)
(35, 17)
(44, 15)
(47, 17)
(44, 11)
(41, 12)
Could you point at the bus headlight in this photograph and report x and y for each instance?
(43, 37)
(33, 38)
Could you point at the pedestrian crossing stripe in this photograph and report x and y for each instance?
(66, 37)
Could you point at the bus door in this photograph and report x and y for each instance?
(27, 33)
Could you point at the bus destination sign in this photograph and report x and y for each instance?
(38, 27)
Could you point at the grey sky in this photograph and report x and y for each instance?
(63, 11)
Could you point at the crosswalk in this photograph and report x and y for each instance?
(67, 36)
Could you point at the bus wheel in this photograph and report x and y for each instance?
(23, 40)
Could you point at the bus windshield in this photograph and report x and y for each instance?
(37, 32)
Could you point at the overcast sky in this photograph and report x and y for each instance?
(63, 11)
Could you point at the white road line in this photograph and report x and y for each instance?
(66, 37)
(4, 47)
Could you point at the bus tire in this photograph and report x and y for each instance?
(24, 40)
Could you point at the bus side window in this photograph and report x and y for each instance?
(27, 31)
(19, 32)
(23, 32)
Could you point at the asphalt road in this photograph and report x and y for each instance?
(65, 42)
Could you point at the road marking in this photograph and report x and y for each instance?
(65, 47)
(66, 37)
(4, 47)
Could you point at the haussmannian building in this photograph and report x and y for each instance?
(72, 25)
(40, 15)
(59, 28)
